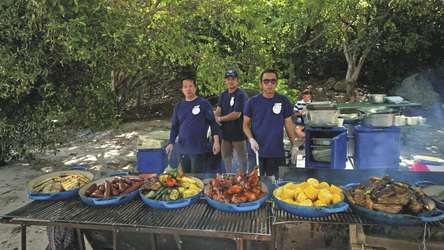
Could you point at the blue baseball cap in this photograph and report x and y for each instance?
(232, 73)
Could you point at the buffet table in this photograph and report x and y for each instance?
(259, 228)
(199, 220)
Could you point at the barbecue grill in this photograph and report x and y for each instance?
(199, 219)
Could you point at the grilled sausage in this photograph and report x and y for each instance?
(136, 179)
(133, 188)
(107, 189)
(122, 186)
(101, 188)
(98, 194)
(114, 191)
(95, 190)
(91, 188)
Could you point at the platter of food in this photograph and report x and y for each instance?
(171, 191)
(58, 185)
(386, 202)
(116, 189)
(236, 193)
(310, 198)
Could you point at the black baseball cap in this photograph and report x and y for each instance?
(232, 73)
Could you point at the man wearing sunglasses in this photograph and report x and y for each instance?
(265, 116)
(300, 115)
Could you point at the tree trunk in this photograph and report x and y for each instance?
(353, 69)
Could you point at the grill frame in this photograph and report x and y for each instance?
(199, 219)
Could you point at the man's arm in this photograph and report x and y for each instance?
(288, 124)
(230, 117)
(246, 127)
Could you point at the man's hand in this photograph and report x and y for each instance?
(294, 154)
(216, 148)
(169, 148)
(254, 144)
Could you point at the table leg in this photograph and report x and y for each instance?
(239, 243)
(115, 241)
(153, 240)
(80, 239)
(23, 227)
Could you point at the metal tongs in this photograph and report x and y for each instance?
(168, 168)
(257, 163)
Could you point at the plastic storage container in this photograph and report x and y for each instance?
(155, 160)
(376, 148)
(324, 156)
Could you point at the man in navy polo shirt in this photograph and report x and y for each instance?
(229, 114)
(190, 121)
(265, 116)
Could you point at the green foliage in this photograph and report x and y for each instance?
(56, 57)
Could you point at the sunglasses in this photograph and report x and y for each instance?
(272, 81)
(306, 93)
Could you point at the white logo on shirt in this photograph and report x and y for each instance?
(277, 108)
(232, 101)
(196, 110)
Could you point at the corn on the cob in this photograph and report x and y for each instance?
(319, 203)
(314, 182)
(301, 197)
(307, 203)
(290, 185)
(288, 193)
(325, 196)
(303, 185)
(324, 185)
(311, 192)
(335, 190)
(336, 198)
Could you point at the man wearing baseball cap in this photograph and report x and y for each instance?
(229, 114)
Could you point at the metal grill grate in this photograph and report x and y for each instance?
(346, 217)
(199, 216)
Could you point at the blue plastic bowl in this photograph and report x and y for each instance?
(240, 207)
(107, 202)
(172, 205)
(393, 219)
(311, 212)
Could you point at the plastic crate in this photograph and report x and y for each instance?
(151, 161)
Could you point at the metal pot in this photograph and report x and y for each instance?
(312, 212)
(171, 205)
(60, 195)
(393, 219)
(322, 118)
(111, 201)
(379, 117)
(240, 207)
(376, 98)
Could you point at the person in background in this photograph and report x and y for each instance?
(300, 115)
(190, 121)
(265, 116)
(229, 114)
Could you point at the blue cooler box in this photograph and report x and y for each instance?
(154, 160)
(377, 148)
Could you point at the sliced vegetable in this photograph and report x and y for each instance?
(174, 173)
(174, 195)
(151, 194)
